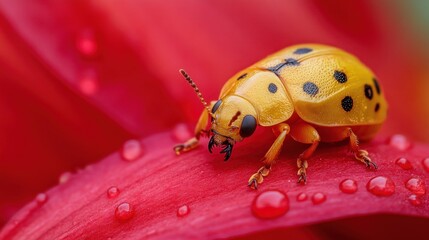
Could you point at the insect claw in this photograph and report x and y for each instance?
(227, 150)
(211, 143)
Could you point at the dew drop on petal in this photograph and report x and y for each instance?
(348, 186)
(88, 82)
(404, 163)
(112, 192)
(301, 197)
(131, 150)
(270, 204)
(41, 198)
(416, 186)
(183, 211)
(64, 177)
(181, 132)
(86, 43)
(124, 212)
(425, 163)
(318, 198)
(415, 200)
(381, 186)
(400, 142)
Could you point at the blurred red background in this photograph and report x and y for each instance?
(78, 78)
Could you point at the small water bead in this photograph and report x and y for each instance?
(404, 163)
(88, 82)
(318, 198)
(270, 204)
(64, 177)
(86, 43)
(415, 200)
(416, 186)
(348, 186)
(183, 211)
(425, 163)
(41, 198)
(124, 212)
(112, 192)
(381, 186)
(181, 132)
(131, 150)
(400, 142)
(301, 197)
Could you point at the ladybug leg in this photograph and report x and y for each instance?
(360, 155)
(200, 130)
(271, 155)
(304, 133)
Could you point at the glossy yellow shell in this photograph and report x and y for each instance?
(324, 85)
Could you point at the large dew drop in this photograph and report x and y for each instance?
(318, 198)
(404, 163)
(400, 142)
(416, 186)
(124, 212)
(131, 150)
(270, 204)
(348, 186)
(381, 186)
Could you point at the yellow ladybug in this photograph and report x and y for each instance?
(314, 93)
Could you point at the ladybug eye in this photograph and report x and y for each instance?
(216, 106)
(248, 126)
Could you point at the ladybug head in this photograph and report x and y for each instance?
(233, 119)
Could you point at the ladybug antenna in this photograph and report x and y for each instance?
(197, 90)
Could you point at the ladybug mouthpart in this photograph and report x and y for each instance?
(227, 147)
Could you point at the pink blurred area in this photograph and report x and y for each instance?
(78, 78)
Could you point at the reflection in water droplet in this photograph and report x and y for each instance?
(270, 204)
(181, 133)
(41, 198)
(64, 177)
(112, 192)
(124, 212)
(404, 163)
(318, 198)
(348, 186)
(131, 150)
(381, 186)
(414, 200)
(183, 211)
(301, 197)
(416, 185)
(88, 82)
(86, 44)
(400, 142)
(425, 163)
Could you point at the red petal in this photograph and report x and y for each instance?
(159, 183)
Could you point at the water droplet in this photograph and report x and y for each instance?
(425, 163)
(181, 132)
(124, 212)
(381, 186)
(270, 204)
(400, 142)
(404, 163)
(301, 197)
(86, 43)
(318, 198)
(88, 82)
(348, 186)
(112, 192)
(131, 150)
(64, 177)
(416, 185)
(41, 198)
(415, 200)
(183, 211)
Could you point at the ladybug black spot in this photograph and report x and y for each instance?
(377, 107)
(347, 103)
(216, 106)
(242, 76)
(272, 88)
(310, 88)
(340, 76)
(303, 50)
(377, 86)
(368, 91)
